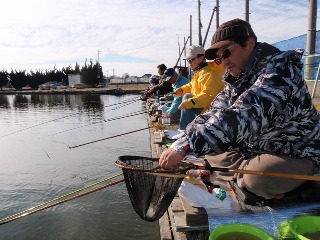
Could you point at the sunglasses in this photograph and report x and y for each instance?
(225, 54)
(191, 60)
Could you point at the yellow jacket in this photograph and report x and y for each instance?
(204, 86)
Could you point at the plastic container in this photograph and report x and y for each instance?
(165, 120)
(299, 227)
(239, 231)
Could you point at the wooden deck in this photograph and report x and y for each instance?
(181, 221)
(184, 222)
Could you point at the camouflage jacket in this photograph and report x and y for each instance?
(267, 109)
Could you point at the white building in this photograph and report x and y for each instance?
(74, 79)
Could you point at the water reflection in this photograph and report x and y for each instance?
(4, 102)
(86, 101)
(20, 101)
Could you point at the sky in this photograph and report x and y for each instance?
(128, 36)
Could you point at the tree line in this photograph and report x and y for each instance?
(20, 78)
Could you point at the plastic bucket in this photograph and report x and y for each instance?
(298, 227)
(239, 231)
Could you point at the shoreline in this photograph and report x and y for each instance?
(127, 89)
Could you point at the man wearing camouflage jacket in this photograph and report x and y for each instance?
(264, 119)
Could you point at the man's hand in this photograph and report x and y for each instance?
(178, 92)
(169, 158)
(182, 106)
(150, 90)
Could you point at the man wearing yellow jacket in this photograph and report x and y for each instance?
(205, 84)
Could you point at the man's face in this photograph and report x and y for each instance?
(194, 62)
(234, 57)
(160, 72)
(173, 79)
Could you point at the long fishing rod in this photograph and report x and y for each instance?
(125, 116)
(105, 120)
(62, 201)
(123, 105)
(207, 166)
(60, 197)
(261, 173)
(56, 119)
(83, 144)
(185, 166)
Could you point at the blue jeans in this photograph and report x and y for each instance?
(187, 115)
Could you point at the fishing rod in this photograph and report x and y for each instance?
(207, 166)
(105, 120)
(56, 119)
(60, 197)
(125, 116)
(83, 144)
(62, 201)
(185, 166)
(124, 104)
(259, 173)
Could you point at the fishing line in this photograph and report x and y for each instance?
(62, 201)
(105, 120)
(36, 125)
(129, 100)
(46, 153)
(58, 198)
(83, 144)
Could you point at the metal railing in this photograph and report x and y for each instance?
(311, 70)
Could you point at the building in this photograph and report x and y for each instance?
(301, 42)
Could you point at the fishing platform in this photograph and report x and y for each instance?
(183, 221)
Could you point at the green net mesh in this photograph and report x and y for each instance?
(150, 194)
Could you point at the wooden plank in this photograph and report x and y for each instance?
(183, 222)
(176, 205)
(196, 217)
(165, 228)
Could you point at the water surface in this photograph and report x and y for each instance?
(37, 165)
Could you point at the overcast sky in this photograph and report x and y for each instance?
(133, 36)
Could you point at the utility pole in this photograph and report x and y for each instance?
(179, 49)
(246, 13)
(200, 25)
(205, 37)
(311, 40)
(190, 30)
(185, 43)
(217, 14)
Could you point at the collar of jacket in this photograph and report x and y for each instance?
(201, 65)
(258, 60)
(178, 78)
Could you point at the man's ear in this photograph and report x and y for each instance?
(251, 43)
(202, 58)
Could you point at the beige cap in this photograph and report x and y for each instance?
(193, 51)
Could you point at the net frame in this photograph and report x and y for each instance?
(151, 165)
(151, 189)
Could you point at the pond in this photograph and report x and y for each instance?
(37, 165)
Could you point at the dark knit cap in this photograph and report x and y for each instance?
(231, 30)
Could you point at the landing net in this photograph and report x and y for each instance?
(151, 191)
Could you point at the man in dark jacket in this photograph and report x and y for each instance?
(264, 119)
(163, 87)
